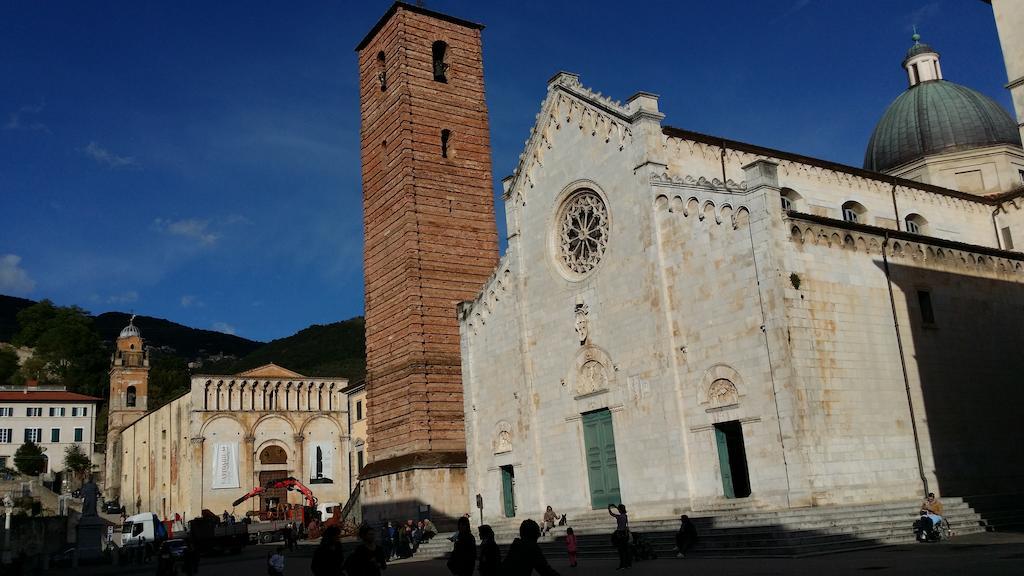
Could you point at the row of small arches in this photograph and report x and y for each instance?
(707, 210)
(899, 249)
(266, 396)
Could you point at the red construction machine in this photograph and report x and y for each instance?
(272, 522)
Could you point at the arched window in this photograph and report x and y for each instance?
(789, 199)
(440, 52)
(854, 212)
(446, 135)
(130, 396)
(273, 455)
(382, 73)
(916, 224)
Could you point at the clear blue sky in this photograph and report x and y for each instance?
(198, 161)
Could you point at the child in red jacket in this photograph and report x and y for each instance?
(570, 544)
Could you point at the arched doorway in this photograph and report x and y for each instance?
(275, 458)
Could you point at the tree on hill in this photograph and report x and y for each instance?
(67, 349)
(336, 349)
(29, 459)
(168, 378)
(77, 462)
(8, 364)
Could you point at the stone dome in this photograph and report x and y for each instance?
(935, 116)
(130, 330)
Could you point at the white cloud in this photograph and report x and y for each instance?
(224, 327)
(13, 278)
(123, 298)
(103, 156)
(192, 228)
(20, 120)
(190, 301)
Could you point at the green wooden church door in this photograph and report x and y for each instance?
(508, 491)
(602, 468)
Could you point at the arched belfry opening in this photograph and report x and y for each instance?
(439, 50)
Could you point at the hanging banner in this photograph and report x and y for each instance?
(321, 462)
(225, 465)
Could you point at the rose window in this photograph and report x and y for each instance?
(583, 232)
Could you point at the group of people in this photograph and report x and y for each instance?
(368, 559)
(403, 539)
(523, 558)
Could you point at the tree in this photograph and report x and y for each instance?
(168, 378)
(29, 459)
(68, 349)
(8, 364)
(77, 462)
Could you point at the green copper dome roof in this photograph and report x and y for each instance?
(916, 49)
(933, 117)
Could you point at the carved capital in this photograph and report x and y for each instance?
(197, 440)
(298, 438)
(249, 438)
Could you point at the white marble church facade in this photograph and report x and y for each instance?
(661, 332)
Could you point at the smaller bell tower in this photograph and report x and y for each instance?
(129, 392)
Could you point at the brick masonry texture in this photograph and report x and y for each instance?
(431, 239)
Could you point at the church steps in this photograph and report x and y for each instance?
(782, 533)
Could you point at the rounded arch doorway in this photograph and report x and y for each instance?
(273, 465)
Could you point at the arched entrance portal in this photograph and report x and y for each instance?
(276, 458)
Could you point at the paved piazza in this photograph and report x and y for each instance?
(986, 554)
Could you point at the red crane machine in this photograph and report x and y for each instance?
(290, 484)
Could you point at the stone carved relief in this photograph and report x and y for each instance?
(723, 393)
(721, 388)
(582, 322)
(503, 438)
(592, 378)
(638, 388)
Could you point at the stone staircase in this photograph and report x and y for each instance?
(732, 533)
(1000, 512)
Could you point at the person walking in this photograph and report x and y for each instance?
(686, 536)
(490, 554)
(621, 535)
(570, 546)
(462, 560)
(367, 559)
(329, 556)
(524, 555)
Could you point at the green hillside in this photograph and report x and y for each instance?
(186, 342)
(336, 349)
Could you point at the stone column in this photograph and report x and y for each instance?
(198, 471)
(299, 455)
(254, 476)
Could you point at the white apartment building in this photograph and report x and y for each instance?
(51, 417)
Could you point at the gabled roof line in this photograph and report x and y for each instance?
(811, 161)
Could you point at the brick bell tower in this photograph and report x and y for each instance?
(430, 243)
(129, 392)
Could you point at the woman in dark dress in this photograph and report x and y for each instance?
(490, 555)
(328, 557)
(462, 561)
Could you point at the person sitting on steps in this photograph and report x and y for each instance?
(550, 520)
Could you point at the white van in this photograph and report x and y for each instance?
(143, 528)
(326, 509)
